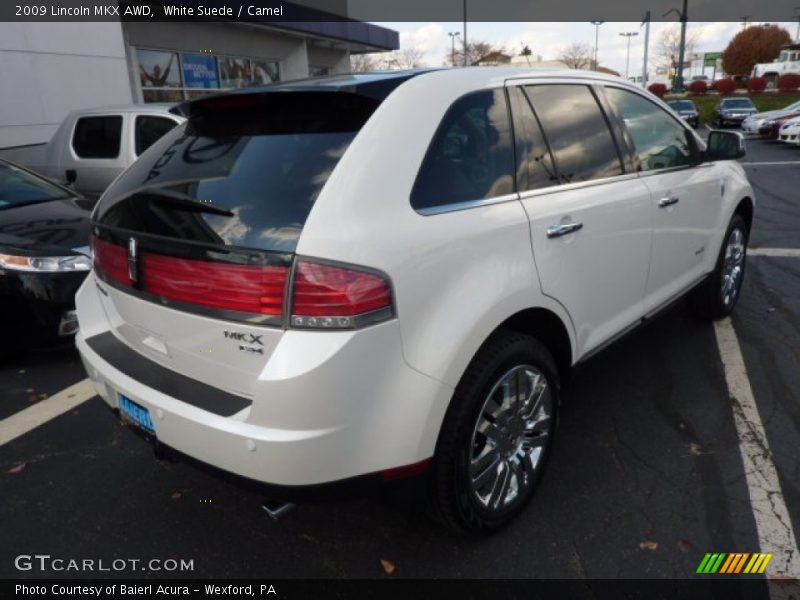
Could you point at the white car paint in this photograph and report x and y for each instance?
(328, 405)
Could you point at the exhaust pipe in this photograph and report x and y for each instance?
(277, 510)
(68, 324)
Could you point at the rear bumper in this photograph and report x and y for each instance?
(360, 411)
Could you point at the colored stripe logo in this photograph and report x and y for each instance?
(734, 563)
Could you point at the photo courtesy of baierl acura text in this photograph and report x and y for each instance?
(362, 298)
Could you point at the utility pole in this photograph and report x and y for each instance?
(596, 39)
(465, 33)
(453, 35)
(684, 15)
(646, 23)
(628, 35)
(797, 18)
(745, 19)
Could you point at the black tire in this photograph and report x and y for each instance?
(708, 300)
(452, 498)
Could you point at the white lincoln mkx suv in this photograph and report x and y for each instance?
(365, 278)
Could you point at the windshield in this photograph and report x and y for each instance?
(682, 105)
(737, 103)
(18, 187)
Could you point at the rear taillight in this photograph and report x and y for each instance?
(323, 296)
(111, 261)
(241, 288)
(333, 297)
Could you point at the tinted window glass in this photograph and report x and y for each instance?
(149, 129)
(470, 157)
(97, 137)
(20, 187)
(577, 132)
(737, 103)
(534, 163)
(245, 170)
(659, 139)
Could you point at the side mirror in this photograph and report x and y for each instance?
(725, 145)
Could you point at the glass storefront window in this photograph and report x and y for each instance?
(173, 77)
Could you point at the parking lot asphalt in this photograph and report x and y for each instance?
(646, 476)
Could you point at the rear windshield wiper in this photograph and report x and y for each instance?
(186, 202)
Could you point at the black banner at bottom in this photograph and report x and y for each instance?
(720, 588)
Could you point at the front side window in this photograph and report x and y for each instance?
(97, 137)
(470, 157)
(148, 129)
(577, 131)
(660, 141)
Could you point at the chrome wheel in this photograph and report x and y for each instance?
(733, 267)
(510, 437)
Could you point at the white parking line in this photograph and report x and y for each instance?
(775, 533)
(776, 163)
(41, 412)
(778, 252)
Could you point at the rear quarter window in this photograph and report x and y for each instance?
(470, 156)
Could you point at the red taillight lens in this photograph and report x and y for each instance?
(243, 288)
(325, 296)
(111, 261)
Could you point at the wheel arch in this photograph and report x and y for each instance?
(746, 209)
(547, 327)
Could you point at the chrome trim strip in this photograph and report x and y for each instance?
(576, 186)
(465, 205)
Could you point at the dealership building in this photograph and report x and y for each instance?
(49, 69)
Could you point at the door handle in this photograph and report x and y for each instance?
(555, 231)
(668, 201)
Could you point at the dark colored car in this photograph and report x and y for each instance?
(770, 128)
(44, 233)
(732, 111)
(687, 111)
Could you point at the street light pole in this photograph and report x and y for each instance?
(596, 39)
(629, 35)
(453, 35)
(646, 23)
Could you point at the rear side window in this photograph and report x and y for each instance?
(98, 137)
(660, 141)
(577, 131)
(534, 164)
(470, 156)
(244, 170)
(148, 129)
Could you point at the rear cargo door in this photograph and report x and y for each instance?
(194, 243)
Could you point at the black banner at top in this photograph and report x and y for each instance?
(265, 11)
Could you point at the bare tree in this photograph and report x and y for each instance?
(361, 63)
(668, 48)
(476, 50)
(409, 58)
(577, 56)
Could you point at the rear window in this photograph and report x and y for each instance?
(98, 137)
(244, 171)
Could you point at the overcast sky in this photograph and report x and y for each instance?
(547, 39)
